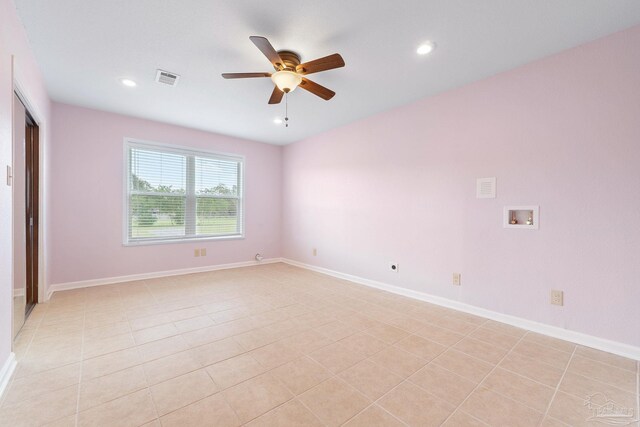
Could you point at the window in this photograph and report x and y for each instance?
(175, 194)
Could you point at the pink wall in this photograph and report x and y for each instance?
(87, 198)
(25, 71)
(562, 133)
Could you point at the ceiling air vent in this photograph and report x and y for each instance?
(167, 78)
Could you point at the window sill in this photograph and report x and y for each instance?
(186, 240)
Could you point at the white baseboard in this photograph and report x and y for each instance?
(7, 371)
(153, 275)
(614, 347)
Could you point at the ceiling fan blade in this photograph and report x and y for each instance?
(244, 75)
(267, 50)
(276, 96)
(323, 64)
(317, 89)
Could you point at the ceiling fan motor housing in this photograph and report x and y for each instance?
(291, 59)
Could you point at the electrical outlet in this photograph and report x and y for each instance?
(196, 252)
(456, 279)
(557, 297)
(203, 252)
(394, 266)
(314, 252)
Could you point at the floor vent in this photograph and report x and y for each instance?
(167, 78)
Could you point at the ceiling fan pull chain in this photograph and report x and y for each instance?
(286, 110)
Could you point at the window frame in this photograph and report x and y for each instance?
(190, 152)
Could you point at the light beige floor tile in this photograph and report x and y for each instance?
(336, 330)
(292, 413)
(307, 342)
(503, 328)
(481, 350)
(464, 365)
(552, 422)
(274, 355)
(217, 351)
(572, 411)
(294, 310)
(583, 387)
(268, 317)
(456, 325)
(443, 383)
(621, 378)
(421, 347)
(229, 315)
(284, 329)
(256, 396)
(301, 374)
(607, 358)
(359, 321)
(109, 330)
(334, 401)
(556, 358)
(546, 341)
(440, 335)
(533, 369)
(68, 421)
(363, 343)
(521, 389)
(172, 366)
(407, 323)
(374, 416)
(254, 339)
(360, 344)
(26, 388)
(42, 409)
(161, 348)
(235, 370)
(496, 338)
(462, 419)
(94, 347)
(37, 361)
(371, 379)
(398, 361)
(415, 406)
(131, 410)
(336, 357)
(155, 333)
(211, 411)
(387, 333)
(109, 363)
(498, 410)
(149, 321)
(109, 387)
(182, 391)
(185, 313)
(194, 323)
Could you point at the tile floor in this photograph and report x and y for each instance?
(275, 345)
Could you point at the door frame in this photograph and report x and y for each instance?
(32, 209)
(36, 114)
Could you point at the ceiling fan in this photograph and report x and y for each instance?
(290, 72)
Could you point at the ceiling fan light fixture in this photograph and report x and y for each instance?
(287, 81)
(426, 48)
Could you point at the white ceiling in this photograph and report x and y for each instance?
(85, 46)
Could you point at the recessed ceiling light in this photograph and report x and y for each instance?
(426, 48)
(277, 121)
(128, 82)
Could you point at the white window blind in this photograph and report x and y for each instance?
(177, 194)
